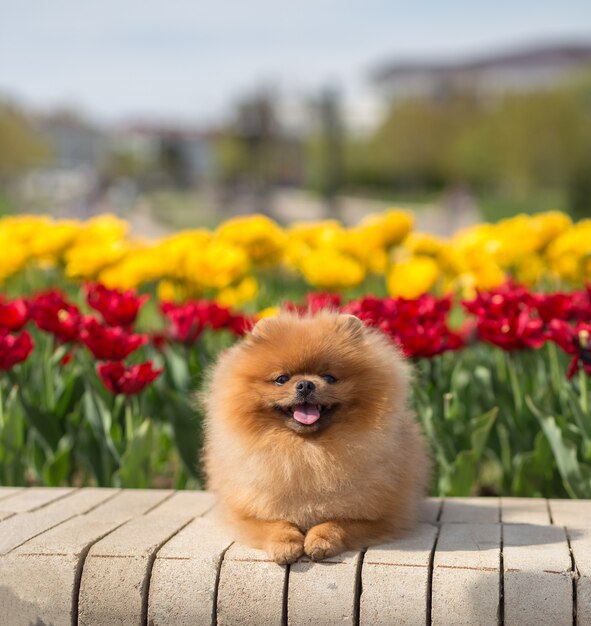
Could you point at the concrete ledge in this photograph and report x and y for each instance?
(107, 557)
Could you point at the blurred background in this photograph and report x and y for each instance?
(178, 114)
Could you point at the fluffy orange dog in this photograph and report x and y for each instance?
(310, 447)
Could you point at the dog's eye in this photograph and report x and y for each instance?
(281, 380)
(329, 378)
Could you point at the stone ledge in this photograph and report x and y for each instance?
(107, 557)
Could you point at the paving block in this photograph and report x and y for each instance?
(17, 529)
(537, 576)
(183, 503)
(395, 580)
(571, 513)
(580, 541)
(525, 511)
(109, 557)
(471, 510)
(251, 588)
(33, 498)
(128, 503)
(184, 575)
(6, 492)
(116, 574)
(39, 580)
(466, 575)
(430, 510)
(323, 593)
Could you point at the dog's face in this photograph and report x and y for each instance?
(309, 374)
(307, 398)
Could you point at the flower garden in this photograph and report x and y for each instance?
(104, 340)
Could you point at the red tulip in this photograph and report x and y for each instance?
(14, 349)
(127, 380)
(581, 304)
(109, 344)
(514, 332)
(159, 340)
(52, 313)
(419, 326)
(322, 300)
(13, 314)
(190, 319)
(66, 359)
(498, 302)
(370, 309)
(506, 318)
(212, 314)
(187, 323)
(574, 340)
(240, 324)
(552, 306)
(118, 308)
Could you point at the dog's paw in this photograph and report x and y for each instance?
(287, 548)
(323, 541)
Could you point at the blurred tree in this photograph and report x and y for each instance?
(516, 147)
(256, 127)
(126, 164)
(333, 140)
(20, 147)
(172, 162)
(231, 157)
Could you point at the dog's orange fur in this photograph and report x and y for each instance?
(357, 481)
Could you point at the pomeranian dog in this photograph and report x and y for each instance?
(310, 446)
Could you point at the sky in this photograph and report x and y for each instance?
(192, 61)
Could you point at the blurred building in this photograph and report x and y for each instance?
(169, 154)
(73, 141)
(524, 69)
(77, 153)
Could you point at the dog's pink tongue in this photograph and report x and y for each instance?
(306, 413)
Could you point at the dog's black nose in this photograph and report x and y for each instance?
(305, 387)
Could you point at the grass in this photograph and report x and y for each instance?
(495, 207)
(183, 209)
(6, 206)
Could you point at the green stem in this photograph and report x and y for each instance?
(501, 363)
(1, 409)
(555, 374)
(128, 420)
(584, 391)
(48, 376)
(515, 386)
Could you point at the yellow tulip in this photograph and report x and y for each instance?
(386, 229)
(236, 297)
(15, 261)
(315, 234)
(260, 237)
(412, 277)
(270, 311)
(86, 261)
(52, 241)
(169, 291)
(568, 254)
(216, 266)
(139, 265)
(329, 269)
(424, 244)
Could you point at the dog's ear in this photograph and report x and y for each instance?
(351, 323)
(258, 330)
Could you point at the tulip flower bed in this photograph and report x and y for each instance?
(98, 386)
(250, 259)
